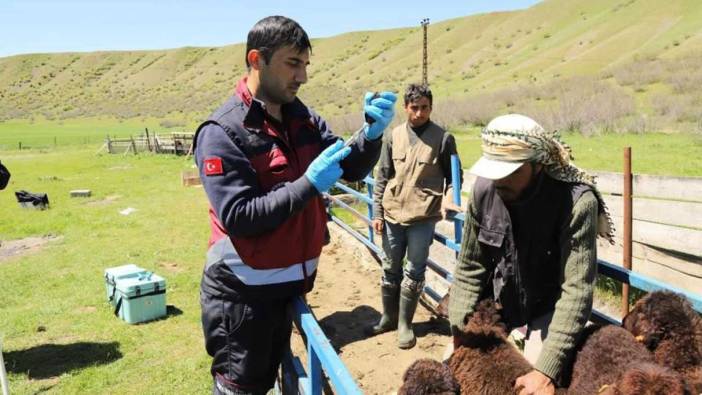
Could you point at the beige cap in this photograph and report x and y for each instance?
(503, 151)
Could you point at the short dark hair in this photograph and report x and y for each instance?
(415, 92)
(273, 32)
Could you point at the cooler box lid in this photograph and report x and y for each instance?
(145, 283)
(122, 271)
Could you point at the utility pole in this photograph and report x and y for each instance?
(425, 80)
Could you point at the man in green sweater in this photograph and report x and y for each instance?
(529, 242)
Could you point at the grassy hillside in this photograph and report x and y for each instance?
(469, 57)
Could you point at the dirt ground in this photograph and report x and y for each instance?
(28, 245)
(346, 298)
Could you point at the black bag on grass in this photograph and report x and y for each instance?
(32, 200)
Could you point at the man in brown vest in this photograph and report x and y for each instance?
(414, 173)
(529, 243)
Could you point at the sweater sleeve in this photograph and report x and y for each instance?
(579, 262)
(470, 275)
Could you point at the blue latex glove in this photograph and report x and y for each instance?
(381, 109)
(325, 170)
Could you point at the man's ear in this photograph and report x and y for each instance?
(255, 58)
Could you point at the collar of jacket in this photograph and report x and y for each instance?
(255, 109)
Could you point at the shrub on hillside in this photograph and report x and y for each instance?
(637, 123)
(465, 111)
(687, 81)
(587, 106)
(677, 108)
(579, 104)
(640, 73)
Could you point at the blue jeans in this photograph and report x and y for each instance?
(414, 240)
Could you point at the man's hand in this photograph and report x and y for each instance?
(535, 383)
(382, 110)
(325, 170)
(378, 226)
(448, 207)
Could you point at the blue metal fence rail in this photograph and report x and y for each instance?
(320, 356)
(320, 353)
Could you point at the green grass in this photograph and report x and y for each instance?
(346, 216)
(610, 291)
(61, 289)
(675, 154)
(43, 133)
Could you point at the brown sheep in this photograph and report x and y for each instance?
(647, 379)
(666, 324)
(428, 377)
(485, 362)
(611, 361)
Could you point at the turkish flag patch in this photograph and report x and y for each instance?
(213, 166)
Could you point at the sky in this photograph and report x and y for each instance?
(39, 26)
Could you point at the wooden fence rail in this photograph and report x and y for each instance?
(172, 143)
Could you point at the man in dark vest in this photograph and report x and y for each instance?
(414, 173)
(264, 159)
(529, 243)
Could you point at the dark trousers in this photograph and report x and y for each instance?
(247, 340)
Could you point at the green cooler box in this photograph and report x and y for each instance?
(139, 297)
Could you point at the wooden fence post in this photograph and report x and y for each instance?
(109, 144)
(626, 259)
(148, 141)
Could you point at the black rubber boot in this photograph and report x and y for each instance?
(391, 304)
(408, 304)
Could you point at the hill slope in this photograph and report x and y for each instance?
(468, 56)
